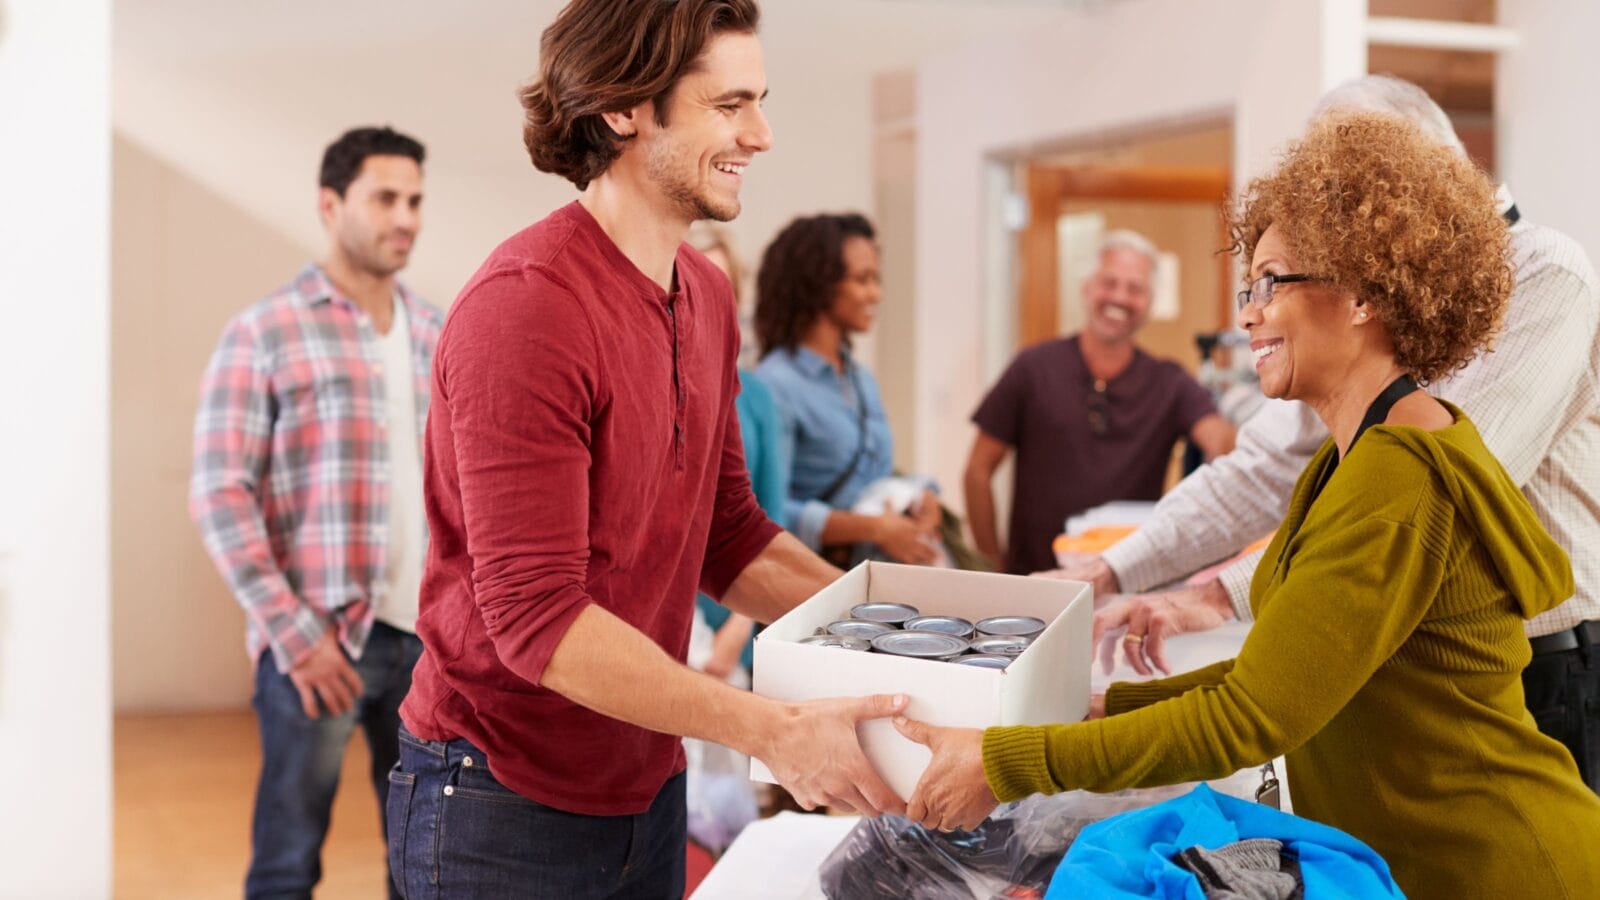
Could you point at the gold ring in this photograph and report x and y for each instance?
(1134, 638)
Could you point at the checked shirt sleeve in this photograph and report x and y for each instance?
(232, 441)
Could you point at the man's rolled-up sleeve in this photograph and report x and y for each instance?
(519, 372)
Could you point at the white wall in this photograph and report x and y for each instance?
(55, 815)
(1544, 115)
(173, 243)
(1118, 67)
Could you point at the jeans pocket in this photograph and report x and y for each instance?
(402, 785)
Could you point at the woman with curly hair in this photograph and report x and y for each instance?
(818, 285)
(1386, 656)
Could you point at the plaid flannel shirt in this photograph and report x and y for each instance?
(290, 483)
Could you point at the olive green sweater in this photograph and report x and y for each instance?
(1386, 662)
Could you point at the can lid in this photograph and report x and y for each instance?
(892, 613)
(921, 644)
(983, 660)
(1010, 626)
(841, 641)
(942, 624)
(1005, 645)
(864, 629)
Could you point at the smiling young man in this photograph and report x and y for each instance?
(1091, 417)
(585, 477)
(307, 488)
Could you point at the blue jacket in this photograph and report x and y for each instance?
(1130, 855)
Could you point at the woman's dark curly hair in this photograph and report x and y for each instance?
(603, 56)
(800, 274)
(1370, 203)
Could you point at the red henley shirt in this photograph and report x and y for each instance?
(582, 448)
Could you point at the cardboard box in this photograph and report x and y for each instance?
(1048, 683)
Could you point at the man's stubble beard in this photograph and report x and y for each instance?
(660, 167)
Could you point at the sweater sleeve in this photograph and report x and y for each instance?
(1225, 504)
(519, 370)
(1354, 593)
(1126, 696)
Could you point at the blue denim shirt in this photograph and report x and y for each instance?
(820, 408)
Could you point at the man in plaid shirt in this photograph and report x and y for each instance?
(307, 489)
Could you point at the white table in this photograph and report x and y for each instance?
(776, 858)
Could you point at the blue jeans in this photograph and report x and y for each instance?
(456, 833)
(301, 758)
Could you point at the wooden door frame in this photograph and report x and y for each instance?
(1050, 186)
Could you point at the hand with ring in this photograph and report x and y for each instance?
(1142, 623)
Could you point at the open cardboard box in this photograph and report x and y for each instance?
(1048, 683)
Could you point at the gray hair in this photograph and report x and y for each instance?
(1128, 239)
(1392, 96)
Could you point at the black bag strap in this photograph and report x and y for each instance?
(861, 442)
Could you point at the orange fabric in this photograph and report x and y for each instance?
(1093, 540)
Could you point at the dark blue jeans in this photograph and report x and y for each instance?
(1563, 693)
(301, 758)
(456, 833)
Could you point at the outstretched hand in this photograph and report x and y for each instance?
(953, 792)
(1142, 623)
(817, 755)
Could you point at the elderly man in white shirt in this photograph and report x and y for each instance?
(1536, 401)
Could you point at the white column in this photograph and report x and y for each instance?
(1544, 119)
(55, 709)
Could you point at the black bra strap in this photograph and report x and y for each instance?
(1379, 410)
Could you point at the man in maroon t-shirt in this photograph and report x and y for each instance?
(1092, 418)
(584, 477)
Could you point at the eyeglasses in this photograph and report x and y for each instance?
(1099, 410)
(1259, 294)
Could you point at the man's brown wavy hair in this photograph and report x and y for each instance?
(603, 56)
(1372, 205)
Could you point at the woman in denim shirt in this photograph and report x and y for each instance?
(817, 286)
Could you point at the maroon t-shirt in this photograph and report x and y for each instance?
(582, 448)
(1041, 408)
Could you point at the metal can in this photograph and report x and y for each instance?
(864, 629)
(842, 642)
(984, 660)
(888, 613)
(1011, 626)
(951, 625)
(1005, 645)
(920, 644)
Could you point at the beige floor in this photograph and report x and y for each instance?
(184, 789)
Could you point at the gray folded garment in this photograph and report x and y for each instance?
(1257, 869)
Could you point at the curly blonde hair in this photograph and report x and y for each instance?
(1372, 205)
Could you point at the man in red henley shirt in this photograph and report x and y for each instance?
(584, 477)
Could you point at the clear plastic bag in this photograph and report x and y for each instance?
(1011, 855)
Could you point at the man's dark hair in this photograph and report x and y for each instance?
(341, 162)
(800, 274)
(603, 56)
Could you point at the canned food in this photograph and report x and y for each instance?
(887, 613)
(1011, 626)
(1003, 646)
(920, 644)
(952, 625)
(859, 628)
(983, 660)
(841, 641)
